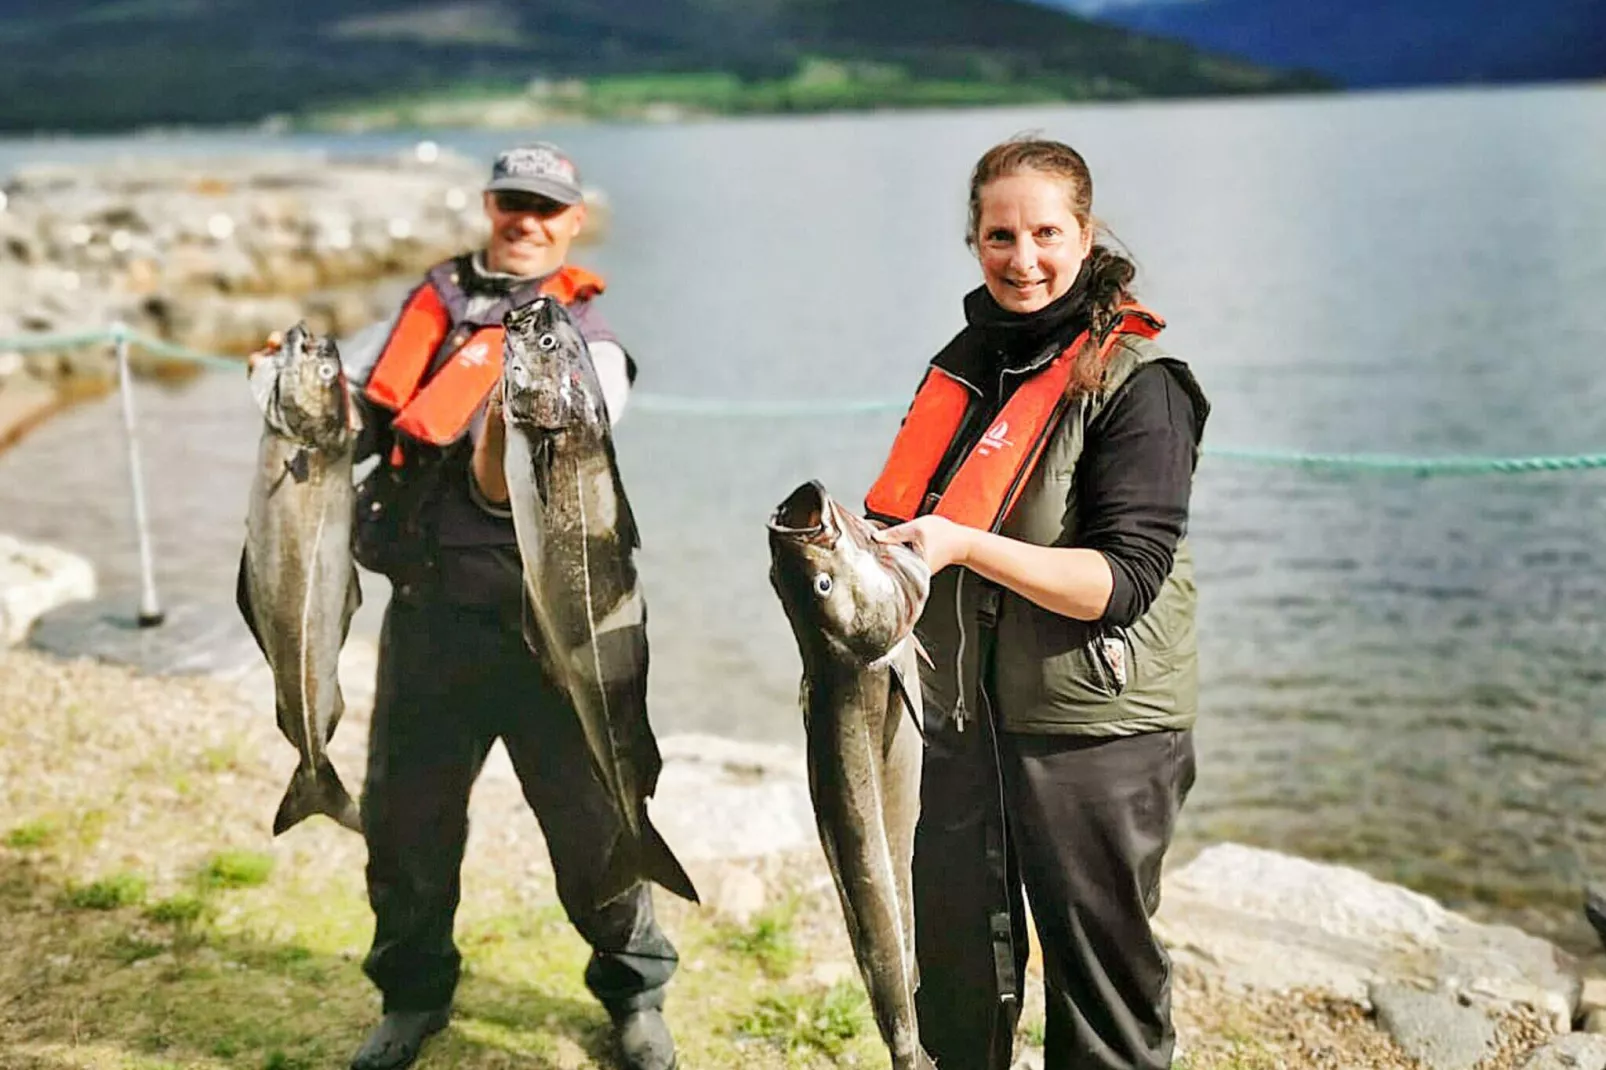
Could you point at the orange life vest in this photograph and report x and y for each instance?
(990, 479)
(439, 411)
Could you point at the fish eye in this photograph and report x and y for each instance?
(547, 342)
(822, 585)
(328, 370)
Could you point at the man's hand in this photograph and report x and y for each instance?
(489, 474)
(269, 348)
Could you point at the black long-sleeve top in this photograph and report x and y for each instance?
(1135, 475)
(1133, 483)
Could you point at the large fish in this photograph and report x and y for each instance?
(853, 603)
(585, 614)
(297, 586)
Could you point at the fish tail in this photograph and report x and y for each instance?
(316, 790)
(648, 858)
(660, 865)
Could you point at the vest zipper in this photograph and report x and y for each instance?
(961, 714)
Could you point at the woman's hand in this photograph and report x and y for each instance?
(937, 539)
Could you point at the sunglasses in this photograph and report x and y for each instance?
(509, 200)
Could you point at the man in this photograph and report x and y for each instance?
(454, 672)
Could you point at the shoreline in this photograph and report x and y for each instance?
(292, 127)
(116, 779)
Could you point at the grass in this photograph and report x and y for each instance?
(236, 869)
(818, 84)
(819, 1020)
(31, 834)
(177, 910)
(247, 970)
(109, 893)
(769, 940)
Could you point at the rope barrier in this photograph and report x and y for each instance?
(1423, 466)
(671, 405)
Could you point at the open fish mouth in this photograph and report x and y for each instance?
(808, 515)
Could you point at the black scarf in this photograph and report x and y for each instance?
(1016, 338)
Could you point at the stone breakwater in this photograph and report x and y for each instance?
(213, 254)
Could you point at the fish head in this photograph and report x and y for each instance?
(836, 581)
(548, 382)
(308, 397)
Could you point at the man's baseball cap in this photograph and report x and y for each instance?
(541, 168)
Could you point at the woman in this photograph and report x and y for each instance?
(1048, 456)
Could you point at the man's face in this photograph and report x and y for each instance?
(530, 234)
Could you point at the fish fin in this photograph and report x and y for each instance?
(535, 643)
(299, 466)
(625, 524)
(242, 598)
(921, 650)
(527, 626)
(264, 385)
(316, 791)
(902, 688)
(353, 597)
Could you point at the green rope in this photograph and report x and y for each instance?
(684, 406)
(1422, 466)
(670, 405)
(34, 343)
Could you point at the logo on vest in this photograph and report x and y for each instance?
(475, 354)
(994, 439)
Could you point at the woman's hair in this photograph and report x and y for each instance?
(1109, 274)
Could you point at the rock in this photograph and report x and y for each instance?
(35, 579)
(1594, 1022)
(1029, 1059)
(24, 401)
(1576, 1051)
(1595, 909)
(170, 246)
(733, 892)
(1259, 919)
(723, 799)
(1592, 995)
(1433, 1027)
(832, 973)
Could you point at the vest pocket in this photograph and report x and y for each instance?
(1058, 668)
(1111, 653)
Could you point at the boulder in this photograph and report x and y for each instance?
(35, 579)
(724, 799)
(1260, 919)
(1433, 1028)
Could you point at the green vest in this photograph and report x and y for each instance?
(1051, 673)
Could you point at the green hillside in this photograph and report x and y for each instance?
(113, 64)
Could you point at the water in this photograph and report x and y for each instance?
(1399, 673)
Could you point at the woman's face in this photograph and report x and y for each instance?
(1028, 240)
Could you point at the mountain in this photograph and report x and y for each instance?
(112, 64)
(1376, 43)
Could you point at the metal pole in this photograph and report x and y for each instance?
(150, 610)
